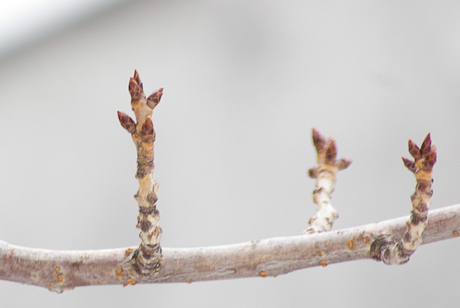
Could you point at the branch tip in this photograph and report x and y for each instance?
(145, 261)
(398, 251)
(325, 175)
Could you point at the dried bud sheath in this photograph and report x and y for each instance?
(146, 259)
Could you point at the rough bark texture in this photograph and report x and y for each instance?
(65, 270)
(325, 175)
(144, 261)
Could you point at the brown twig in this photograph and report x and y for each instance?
(144, 261)
(325, 175)
(386, 248)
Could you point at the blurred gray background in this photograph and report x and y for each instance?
(245, 81)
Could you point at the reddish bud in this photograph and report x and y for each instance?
(154, 98)
(409, 164)
(134, 89)
(147, 127)
(138, 80)
(426, 145)
(126, 122)
(429, 162)
(343, 163)
(431, 157)
(313, 173)
(136, 77)
(331, 152)
(414, 150)
(318, 140)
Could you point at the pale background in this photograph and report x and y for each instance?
(245, 81)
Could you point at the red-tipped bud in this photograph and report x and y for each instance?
(426, 145)
(414, 150)
(138, 80)
(331, 152)
(343, 163)
(409, 164)
(318, 140)
(429, 162)
(136, 77)
(147, 127)
(134, 89)
(154, 98)
(126, 122)
(432, 156)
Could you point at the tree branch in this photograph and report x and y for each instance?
(65, 270)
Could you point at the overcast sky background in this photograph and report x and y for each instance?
(25, 21)
(245, 81)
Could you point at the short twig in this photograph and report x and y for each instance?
(144, 261)
(390, 250)
(325, 175)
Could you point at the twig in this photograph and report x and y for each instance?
(325, 175)
(144, 261)
(64, 270)
(390, 249)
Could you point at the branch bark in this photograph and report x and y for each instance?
(65, 270)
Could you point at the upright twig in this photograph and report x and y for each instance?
(146, 259)
(385, 247)
(325, 175)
